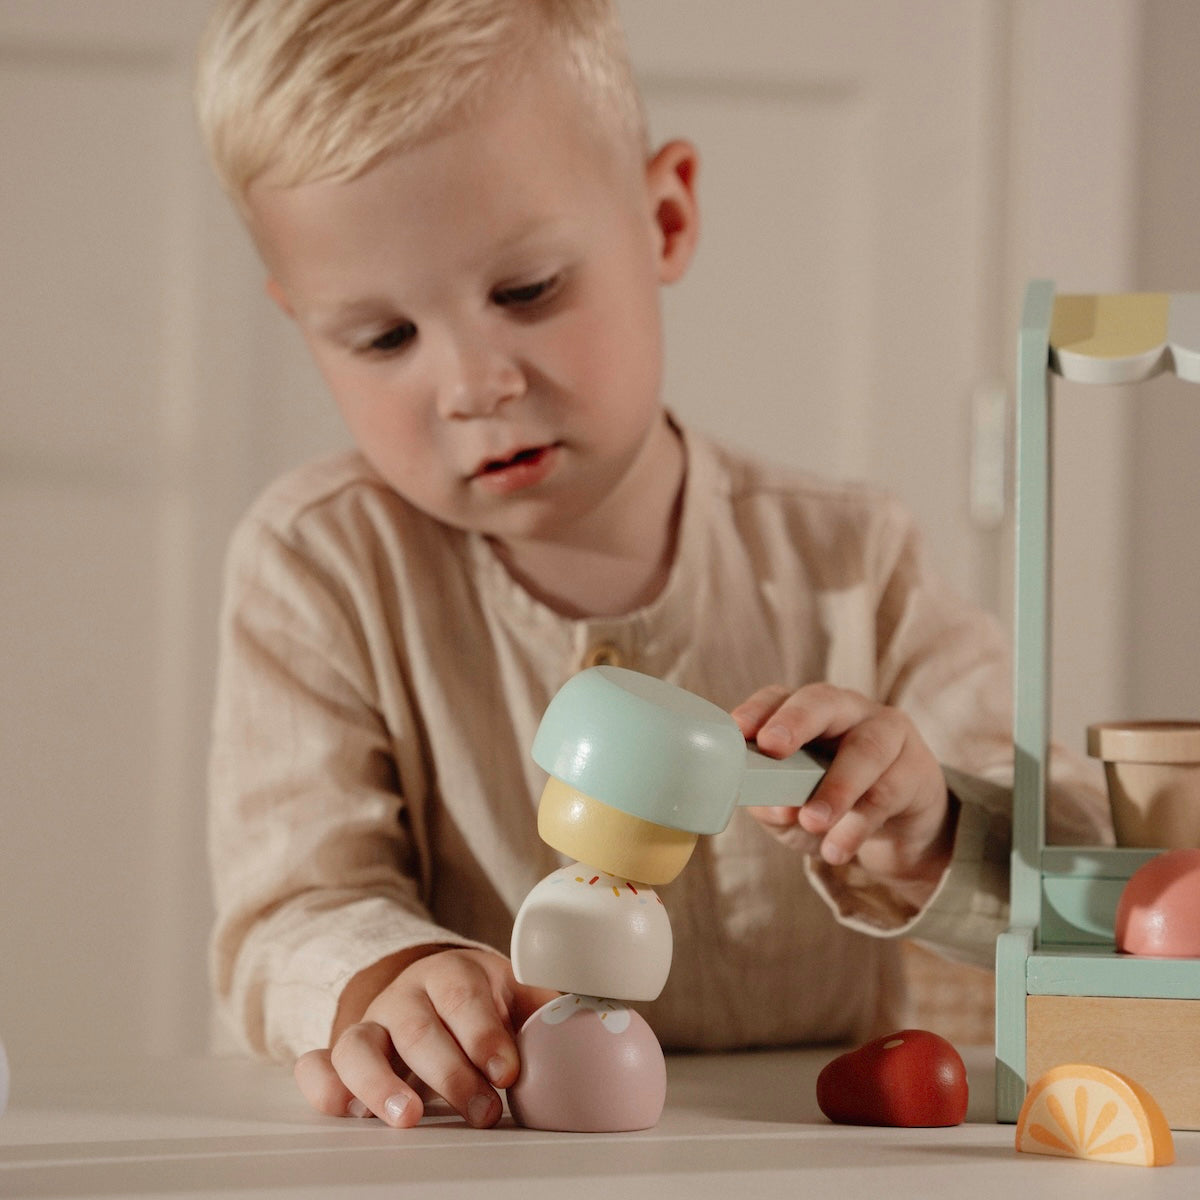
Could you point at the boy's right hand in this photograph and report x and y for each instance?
(446, 1020)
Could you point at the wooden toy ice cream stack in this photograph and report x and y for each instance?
(639, 769)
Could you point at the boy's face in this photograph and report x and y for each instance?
(485, 310)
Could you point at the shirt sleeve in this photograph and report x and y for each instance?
(316, 875)
(947, 665)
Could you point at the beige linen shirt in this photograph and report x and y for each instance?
(381, 678)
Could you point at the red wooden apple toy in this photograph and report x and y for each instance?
(911, 1078)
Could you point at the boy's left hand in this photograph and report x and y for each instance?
(883, 799)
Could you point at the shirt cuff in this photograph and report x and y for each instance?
(969, 906)
(294, 1007)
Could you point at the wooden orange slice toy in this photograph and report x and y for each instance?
(1083, 1111)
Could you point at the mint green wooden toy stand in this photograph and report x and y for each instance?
(1060, 940)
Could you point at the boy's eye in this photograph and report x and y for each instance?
(526, 294)
(395, 338)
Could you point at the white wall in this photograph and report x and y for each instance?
(1164, 670)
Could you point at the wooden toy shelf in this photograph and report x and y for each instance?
(1063, 993)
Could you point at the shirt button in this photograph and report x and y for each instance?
(604, 654)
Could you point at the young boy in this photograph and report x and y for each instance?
(455, 202)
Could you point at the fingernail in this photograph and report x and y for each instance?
(481, 1109)
(497, 1069)
(356, 1108)
(394, 1107)
(835, 856)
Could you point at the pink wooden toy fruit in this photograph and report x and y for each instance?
(588, 1066)
(911, 1078)
(1158, 914)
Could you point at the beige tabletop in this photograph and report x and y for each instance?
(739, 1127)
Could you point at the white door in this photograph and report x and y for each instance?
(842, 310)
(850, 298)
(127, 305)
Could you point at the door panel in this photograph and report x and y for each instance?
(107, 584)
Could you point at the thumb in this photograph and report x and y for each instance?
(527, 1000)
(783, 825)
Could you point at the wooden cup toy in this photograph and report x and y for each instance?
(1152, 769)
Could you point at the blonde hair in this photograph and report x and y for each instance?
(322, 89)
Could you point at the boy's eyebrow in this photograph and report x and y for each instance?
(540, 234)
(339, 316)
(347, 311)
(537, 230)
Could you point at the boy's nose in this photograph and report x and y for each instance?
(480, 377)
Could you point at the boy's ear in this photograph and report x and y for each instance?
(276, 292)
(671, 183)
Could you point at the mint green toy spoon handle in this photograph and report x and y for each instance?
(783, 782)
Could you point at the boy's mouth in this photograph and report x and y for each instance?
(521, 469)
(528, 455)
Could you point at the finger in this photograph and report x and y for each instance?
(525, 1001)
(479, 1008)
(364, 1060)
(754, 710)
(782, 824)
(774, 817)
(815, 712)
(849, 834)
(865, 766)
(910, 807)
(448, 1033)
(320, 1085)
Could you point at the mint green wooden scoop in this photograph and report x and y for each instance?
(671, 760)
